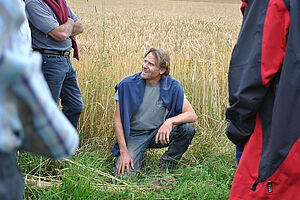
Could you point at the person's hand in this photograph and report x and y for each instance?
(163, 133)
(70, 20)
(125, 162)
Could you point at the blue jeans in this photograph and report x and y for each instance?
(238, 154)
(62, 81)
(11, 178)
(180, 139)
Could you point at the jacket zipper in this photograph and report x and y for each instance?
(255, 185)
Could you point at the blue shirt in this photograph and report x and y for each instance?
(42, 20)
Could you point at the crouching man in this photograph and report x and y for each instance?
(151, 112)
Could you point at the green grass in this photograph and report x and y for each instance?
(88, 176)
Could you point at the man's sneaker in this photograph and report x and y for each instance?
(167, 165)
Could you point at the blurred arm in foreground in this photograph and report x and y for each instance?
(30, 119)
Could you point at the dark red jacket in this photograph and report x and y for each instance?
(264, 96)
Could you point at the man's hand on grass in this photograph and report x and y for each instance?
(125, 162)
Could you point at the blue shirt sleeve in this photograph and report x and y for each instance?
(41, 16)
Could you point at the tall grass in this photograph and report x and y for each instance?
(199, 37)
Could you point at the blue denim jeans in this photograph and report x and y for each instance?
(62, 81)
(238, 154)
(180, 139)
(11, 178)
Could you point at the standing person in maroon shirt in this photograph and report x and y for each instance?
(53, 27)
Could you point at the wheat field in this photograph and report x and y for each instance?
(199, 37)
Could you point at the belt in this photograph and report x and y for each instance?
(53, 52)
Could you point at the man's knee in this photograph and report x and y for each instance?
(187, 129)
(79, 107)
(74, 108)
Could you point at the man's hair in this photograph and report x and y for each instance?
(162, 58)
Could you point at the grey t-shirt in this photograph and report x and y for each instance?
(42, 20)
(151, 113)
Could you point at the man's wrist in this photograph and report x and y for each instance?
(125, 151)
(169, 121)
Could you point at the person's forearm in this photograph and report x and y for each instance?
(119, 132)
(63, 31)
(77, 28)
(186, 117)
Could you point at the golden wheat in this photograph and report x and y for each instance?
(198, 36)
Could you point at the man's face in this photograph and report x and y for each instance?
(151, 72)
